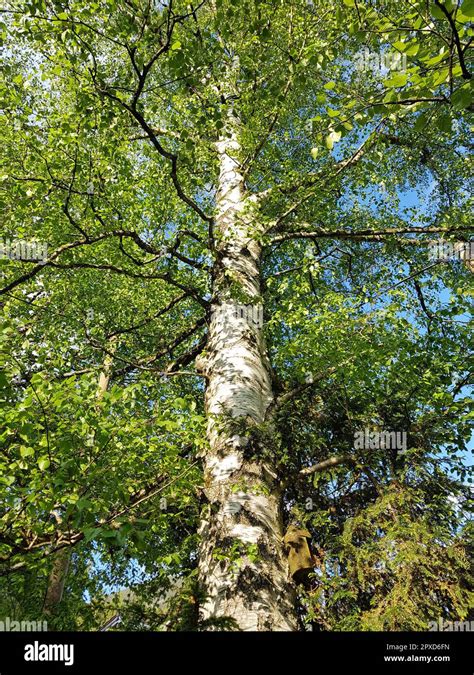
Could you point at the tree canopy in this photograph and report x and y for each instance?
(353, 166)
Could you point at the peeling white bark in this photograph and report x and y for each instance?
(244, 509)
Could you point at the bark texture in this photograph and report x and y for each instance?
(242, 565)
(56, 581)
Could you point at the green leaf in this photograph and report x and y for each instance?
(26, 452)
(412, 49)
(332, 138)
(396, 80)
(437, 12)
(467, 8)
(441, 77)
(444, 123)
(83, 504)
(421, 122)
(462, 97)
(43, 463)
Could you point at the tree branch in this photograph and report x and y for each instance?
(367, 235)
(449, 15)
(327, 464)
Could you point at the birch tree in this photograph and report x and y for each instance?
(246, 198)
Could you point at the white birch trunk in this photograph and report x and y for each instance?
(243, 515)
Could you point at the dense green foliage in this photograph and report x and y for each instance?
(110, 115)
